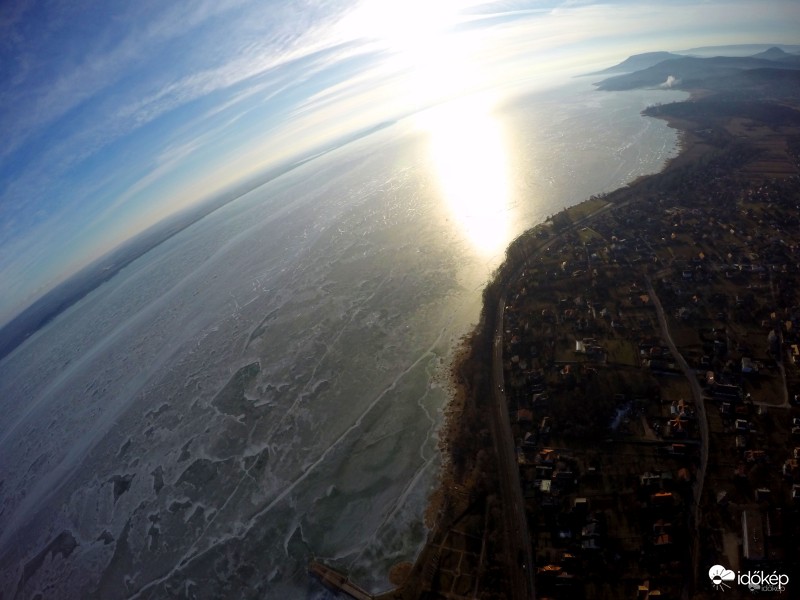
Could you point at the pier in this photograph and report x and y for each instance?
(338, 582)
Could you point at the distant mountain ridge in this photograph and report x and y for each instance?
(718, 73)
(637, 62)
(774, 53)
(738, 50)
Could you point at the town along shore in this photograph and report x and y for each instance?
(630, 335)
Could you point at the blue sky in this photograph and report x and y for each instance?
(116, 114)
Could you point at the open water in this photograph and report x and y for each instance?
(265, 387)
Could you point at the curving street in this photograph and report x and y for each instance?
(697, 394)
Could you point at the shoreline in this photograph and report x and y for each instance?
(466, 372)
(457, 382)
(730, 170)
(472, 514)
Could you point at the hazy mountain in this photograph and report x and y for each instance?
(773, 53)
(738, 50)
(719, 73)
(637, 62)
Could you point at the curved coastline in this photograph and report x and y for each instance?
(462, 435)
(464, 384)
(736, 155)
(466, 515)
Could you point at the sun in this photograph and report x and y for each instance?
(403, 27)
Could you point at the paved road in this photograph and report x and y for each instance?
(697, 394)
(518, 541)
(517, 538)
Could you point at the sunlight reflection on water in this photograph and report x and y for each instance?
(468, 154)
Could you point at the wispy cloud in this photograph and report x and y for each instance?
(61, 113)
(79, 71)
(105, 107)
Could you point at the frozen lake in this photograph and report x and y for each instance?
(265, 387)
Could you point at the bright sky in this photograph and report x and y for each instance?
(115, 114)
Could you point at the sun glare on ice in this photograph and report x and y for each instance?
(468, 155)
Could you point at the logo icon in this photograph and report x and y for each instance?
(755, 581)
(719, 575)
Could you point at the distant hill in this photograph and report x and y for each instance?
(773, 53)
(721, 73)
(637, 62)
(738, 50)
(777, 55)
